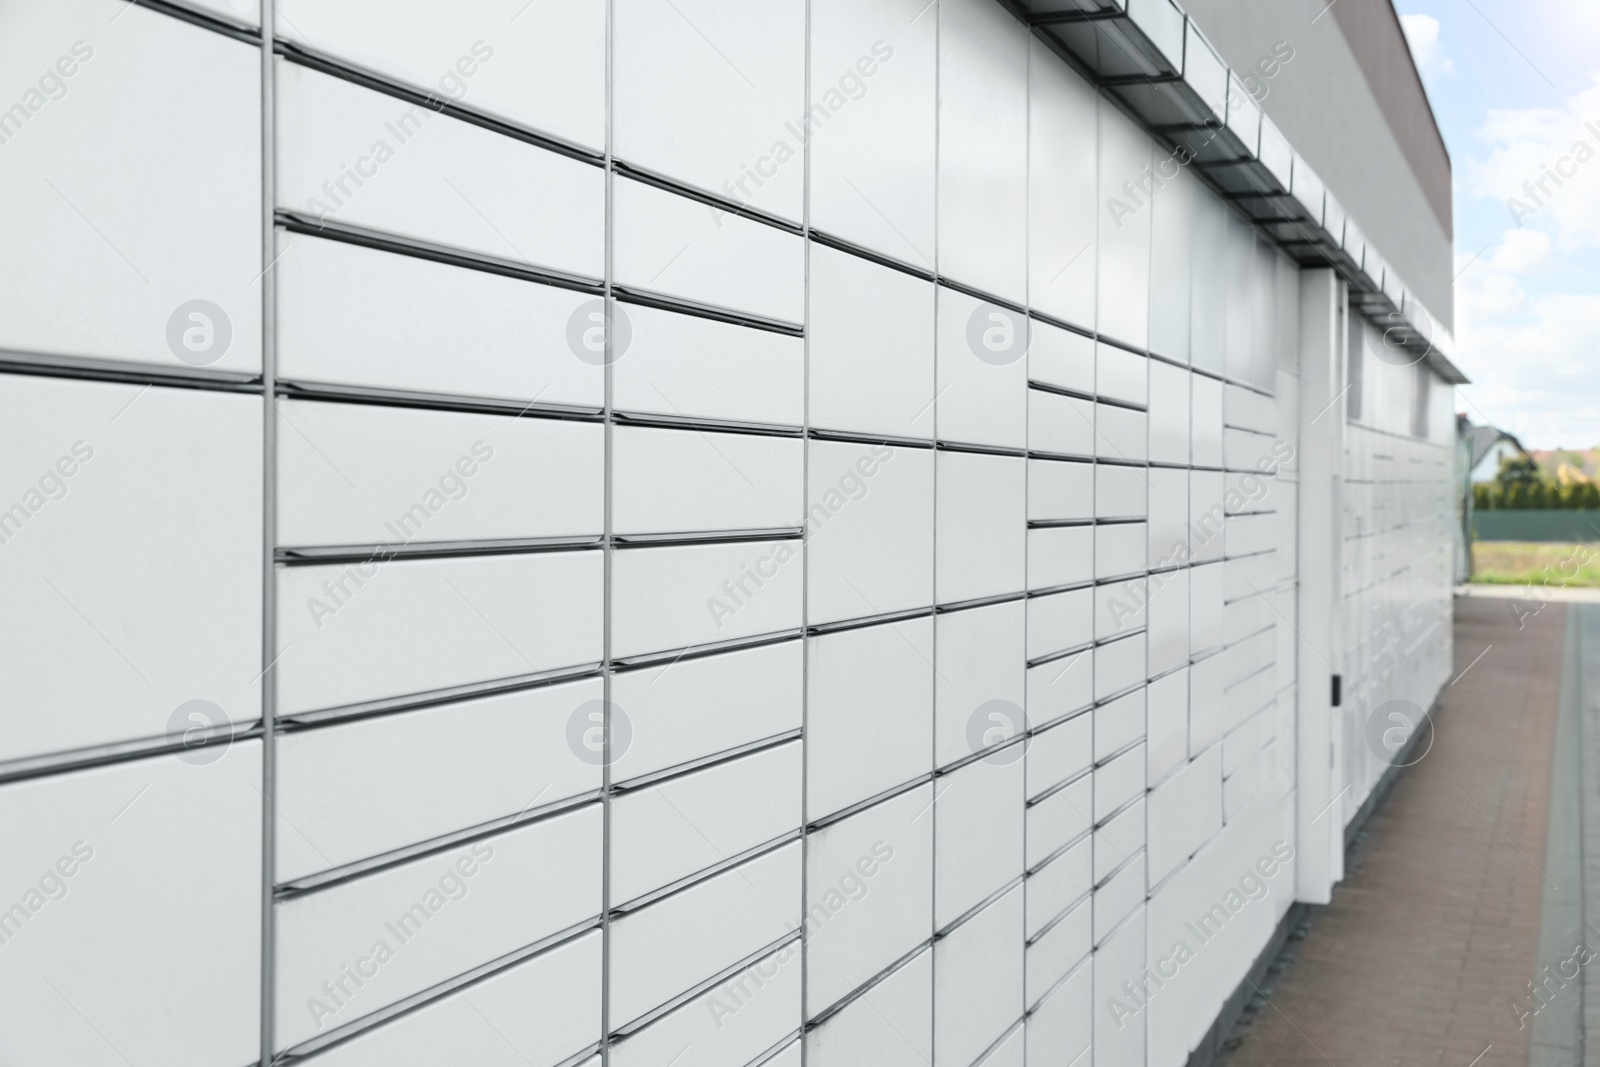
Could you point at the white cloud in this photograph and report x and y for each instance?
(1531, 358)
(1521, 251)
(1422, 34)
(1483, 295)
(1533, 352)
(1544, 165)
(1560, 34)
(1529, 377)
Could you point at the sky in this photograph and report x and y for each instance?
(1515, 86)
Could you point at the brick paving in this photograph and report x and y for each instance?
(1432, 936)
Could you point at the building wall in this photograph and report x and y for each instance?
(1379, 151)
(1397, 574)
(627, 566)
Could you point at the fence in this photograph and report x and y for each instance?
(1541, 525)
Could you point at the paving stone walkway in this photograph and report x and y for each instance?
(1426, 952)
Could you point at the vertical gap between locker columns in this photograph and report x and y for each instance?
(269, 534)
(607, 556)
(805, 560)
(1149, 486)
(933, 621)
(1094, 551)
(1027, 441)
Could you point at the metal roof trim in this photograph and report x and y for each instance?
(1126, 48)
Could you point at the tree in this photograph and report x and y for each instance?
(1517, 468)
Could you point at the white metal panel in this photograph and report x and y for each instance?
(977, 837)
(357, 316)
(675, 481)
(178, 845)
(359, 474)
(681, 365)
(541, 1011)
(679, 712)
(376, 630)
(869, 893)
(741, 1036)
(107, 630)
(429, 176)
(667, 831)
(982, 392)
(983, 147)
(980, 539)
(104, 249)
(871, 351)
(666, 243)
(362, 788)
(681, 595)
(1126, 154)
(873, 77)
(869, 522)
(702, 90)
(979, 656)
(868, 692)
(1062, 206)
(543, 67)
(979, 966)
(675, 943)
(436, 916)
(890, 1025)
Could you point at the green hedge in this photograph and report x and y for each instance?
(1535, 496)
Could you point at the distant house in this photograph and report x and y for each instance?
(1569, 466)
(1489, 447)
(1479, 453)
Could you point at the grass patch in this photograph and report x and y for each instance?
(1531, 563)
